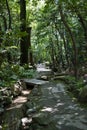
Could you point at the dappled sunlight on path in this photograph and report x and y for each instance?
(62, 111)
(42, 67)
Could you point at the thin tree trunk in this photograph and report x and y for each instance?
(64, 42)
(56, 53)
(52, 51)
(29, 45)
(9, 14)
(73, 42)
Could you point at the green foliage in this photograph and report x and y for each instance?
(73, 86)
(50, 39)
(53, 35)
(9, 74)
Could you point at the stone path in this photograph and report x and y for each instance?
(61, 112)
(50, 108)
(34, 82)
(54, 109)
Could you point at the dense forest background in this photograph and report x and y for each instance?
(34, 31)
(49, 33)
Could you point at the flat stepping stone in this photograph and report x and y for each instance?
(34, 82)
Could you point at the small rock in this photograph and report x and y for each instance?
(44, 77)
(0, 127)
(25, 121)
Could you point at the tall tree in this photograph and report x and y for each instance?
(23, 41)
(73, 41)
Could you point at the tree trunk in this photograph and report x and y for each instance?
(9, 14)
(81, 20)
(73, 42)
(29, 45)
(23, 41)
(56, 51)
(64, 42)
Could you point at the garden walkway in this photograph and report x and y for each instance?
(54, 109)
(47, 108)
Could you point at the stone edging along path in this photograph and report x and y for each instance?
(13, 114)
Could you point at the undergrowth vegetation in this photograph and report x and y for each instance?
(78, 89)
(10, 73)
